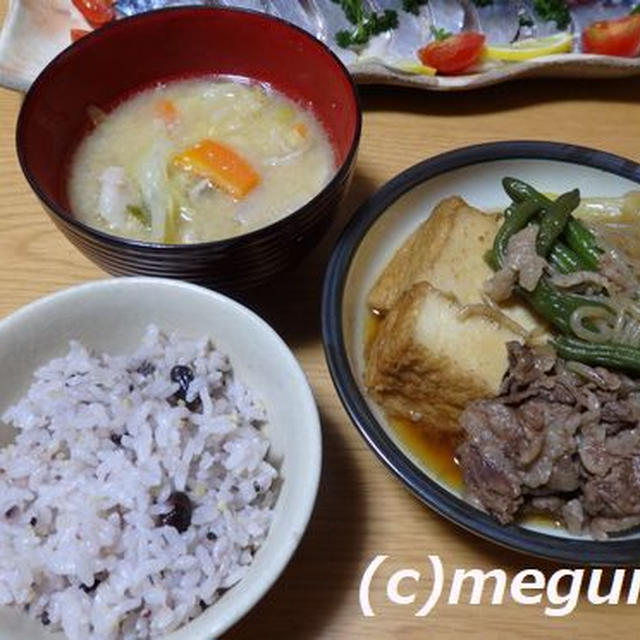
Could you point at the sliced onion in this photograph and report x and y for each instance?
(491, 311)
(604, 378)
(605, 331)
(274, 161)
(621, 243)
(631, 205)
(625, 208)
(566, 281)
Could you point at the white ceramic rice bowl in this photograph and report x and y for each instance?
(111, 316)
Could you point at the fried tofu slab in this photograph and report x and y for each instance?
(446, 250)
(430, 358)
(429, 361)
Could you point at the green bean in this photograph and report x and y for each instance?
(583, 243)
(508, 212)
(517, 220)
(555, 306)
(554, 220)
(616, 356)
(518, 191)
(565, 260)
(578, 237)
(490, 259)
(561, 258)
(546, 300)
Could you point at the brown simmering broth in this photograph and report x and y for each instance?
(432, 448)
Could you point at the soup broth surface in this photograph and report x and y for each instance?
(198, 160)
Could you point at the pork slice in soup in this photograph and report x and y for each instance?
(199, 160)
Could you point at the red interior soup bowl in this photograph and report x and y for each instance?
(132, 54)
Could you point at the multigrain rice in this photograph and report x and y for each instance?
(136, 490)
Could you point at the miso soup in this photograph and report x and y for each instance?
(198, 160)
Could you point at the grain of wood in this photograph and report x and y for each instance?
(362, 510)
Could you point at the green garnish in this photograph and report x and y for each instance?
(413, 6)
(440, 34)
(366, 23)
(525, 23)
(525, 20)
(140, 214)
(635, 10)
(172, 223)
(553, 11)
(343, 38)
(352, 10)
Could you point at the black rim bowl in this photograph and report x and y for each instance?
(235, 263)
(579, 551)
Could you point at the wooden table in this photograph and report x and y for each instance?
(362, 510)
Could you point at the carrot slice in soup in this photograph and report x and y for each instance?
(301, 129)
(221, 165)
(166, 111)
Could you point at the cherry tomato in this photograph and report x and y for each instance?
(96, 12)
(453, 54)
(619, 37)
(76, 34)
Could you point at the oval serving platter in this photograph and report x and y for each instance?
(34, 32)
(367, 244)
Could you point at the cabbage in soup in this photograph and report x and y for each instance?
(198, 160)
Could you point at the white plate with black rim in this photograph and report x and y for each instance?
(372, 237)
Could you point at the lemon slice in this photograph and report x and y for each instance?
(412, 67)
(531, 48)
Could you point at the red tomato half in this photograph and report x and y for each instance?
(96, 12)
(453, 54)
(619, 37)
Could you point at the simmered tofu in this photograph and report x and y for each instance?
(428, 360)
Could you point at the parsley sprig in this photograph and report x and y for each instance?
(413, 6)
(439, 34)
(366, 24)
(553, 11)
(548, 10)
